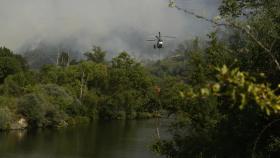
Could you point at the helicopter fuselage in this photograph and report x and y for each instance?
(159, 44)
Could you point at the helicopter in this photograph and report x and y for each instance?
(159, 41)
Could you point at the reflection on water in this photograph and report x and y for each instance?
(101, 139)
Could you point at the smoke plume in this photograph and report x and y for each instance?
(115, 25)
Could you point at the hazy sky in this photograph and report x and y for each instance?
(115, 25)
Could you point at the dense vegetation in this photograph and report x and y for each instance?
(57, 95)
(229, 104)
(223, 92)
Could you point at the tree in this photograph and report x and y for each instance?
(46, 105)
(127, 73)
(8, 66)
(18, 84)
(5, 52)
(244, 104)
(64, 59)
(90, 71)
(10, 63)
(96, 55)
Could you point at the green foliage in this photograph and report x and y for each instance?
(126, 73)
(34, 108)
(6, 117)
(258, 41)
(92, 101)
(121, 104)
(241, 89)
(96, 55)
(232, 7)
(18, 84)
(218, 110)
(164, 148)
(92, 74)
(56, 95)
(114, 91)
(7, 101)
(221, 113)
(10, 63)
(46, 105)
(8, 66)
(123, 60)
(5, 52)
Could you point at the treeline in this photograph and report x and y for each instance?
(71, 92)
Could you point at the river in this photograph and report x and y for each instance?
(100, 139)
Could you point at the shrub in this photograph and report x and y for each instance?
(144, 115)
(91, 101)
(131, 115)
(75, 109)
(34, 108)
(5, 118)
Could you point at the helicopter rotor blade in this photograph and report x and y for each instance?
(169, 36)
(151, 40)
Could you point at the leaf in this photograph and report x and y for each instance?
(216, 87)
(205, 92)
(182, 94)
(243, 100)
(224, 70)
(267, 111)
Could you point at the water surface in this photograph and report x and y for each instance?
(101, 139)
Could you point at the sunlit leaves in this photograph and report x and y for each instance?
(241, 88)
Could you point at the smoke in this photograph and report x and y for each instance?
(115, 25)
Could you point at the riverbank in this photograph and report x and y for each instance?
(22, 122)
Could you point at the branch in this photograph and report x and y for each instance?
(232, 25)
(266, 49)
(259, 136)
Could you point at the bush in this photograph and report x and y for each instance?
(107, 113)
(5, 118)
(119, 115)
(10, 102)
(41, 111)
(34, 108)
(56, 95)
(91, 101)
(49, 105)
(76, 109)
